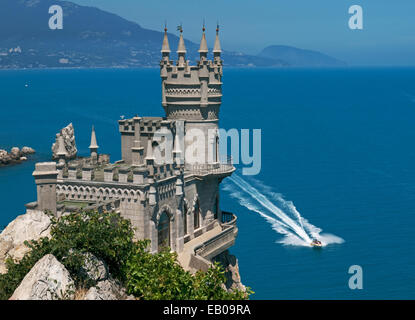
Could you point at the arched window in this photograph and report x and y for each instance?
(196, 216)
(163, 231)
(185, 218)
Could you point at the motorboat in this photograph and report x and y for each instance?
(316, 243)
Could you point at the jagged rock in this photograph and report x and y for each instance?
(27, 150)
(107, 290)
(68, 134)
(106, 287)
(30, 226)
(4, 157)
(15, 153)
(47, 280)
(230, 263)
(94, 268)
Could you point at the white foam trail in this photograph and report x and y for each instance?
(282, 215)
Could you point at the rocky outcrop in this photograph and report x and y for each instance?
(68, 135)
(15, 155)
(94, 268)
(47, 280)
(30, 226)
(27, 150)
(230, 264)
(109, 289)
(106, 288)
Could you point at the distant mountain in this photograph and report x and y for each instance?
(300, 57)
(95, 38)
(90, 38)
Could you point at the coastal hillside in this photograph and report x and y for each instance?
(300, 57)
(90, 38)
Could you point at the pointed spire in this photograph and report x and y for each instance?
(181, 48)
(61, 147)
(203, 44)
(94, 144)
(217, 48)
(165, 48)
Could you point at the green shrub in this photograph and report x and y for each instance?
(160, 277)
(106, 235)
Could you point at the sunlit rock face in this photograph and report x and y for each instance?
(30, 226)
(68, 134)
(47, 280)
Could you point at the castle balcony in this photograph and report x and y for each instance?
(223, 168)
(221, 241)
(198, 253)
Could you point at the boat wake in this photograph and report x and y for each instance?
(280, 213)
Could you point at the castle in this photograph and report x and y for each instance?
(175, 204)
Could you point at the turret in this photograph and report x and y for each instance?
(62, 153)
(181, 50)
(165, 49)
(203, 50)
(164, 63)
(46, 178)
(93, 147)
(217, 49)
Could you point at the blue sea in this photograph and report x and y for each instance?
(338, 158)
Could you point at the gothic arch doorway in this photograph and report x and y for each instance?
(163, 230)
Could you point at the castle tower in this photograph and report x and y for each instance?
(46, 175)
(193, 93)
(93, 147)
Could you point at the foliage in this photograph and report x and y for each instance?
(160, 277)
(105, 235)
(111, 238)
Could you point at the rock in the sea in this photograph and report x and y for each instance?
(94, 268)
(30, 226)
(109, 289)
(27, 150)
(47, 280)
(15, 153)
(4, 157)
(68, 134)
(230, 264)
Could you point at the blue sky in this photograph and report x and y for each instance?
(388, 37)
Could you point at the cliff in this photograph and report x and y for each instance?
(231, 266)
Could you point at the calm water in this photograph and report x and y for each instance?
(338, 143)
